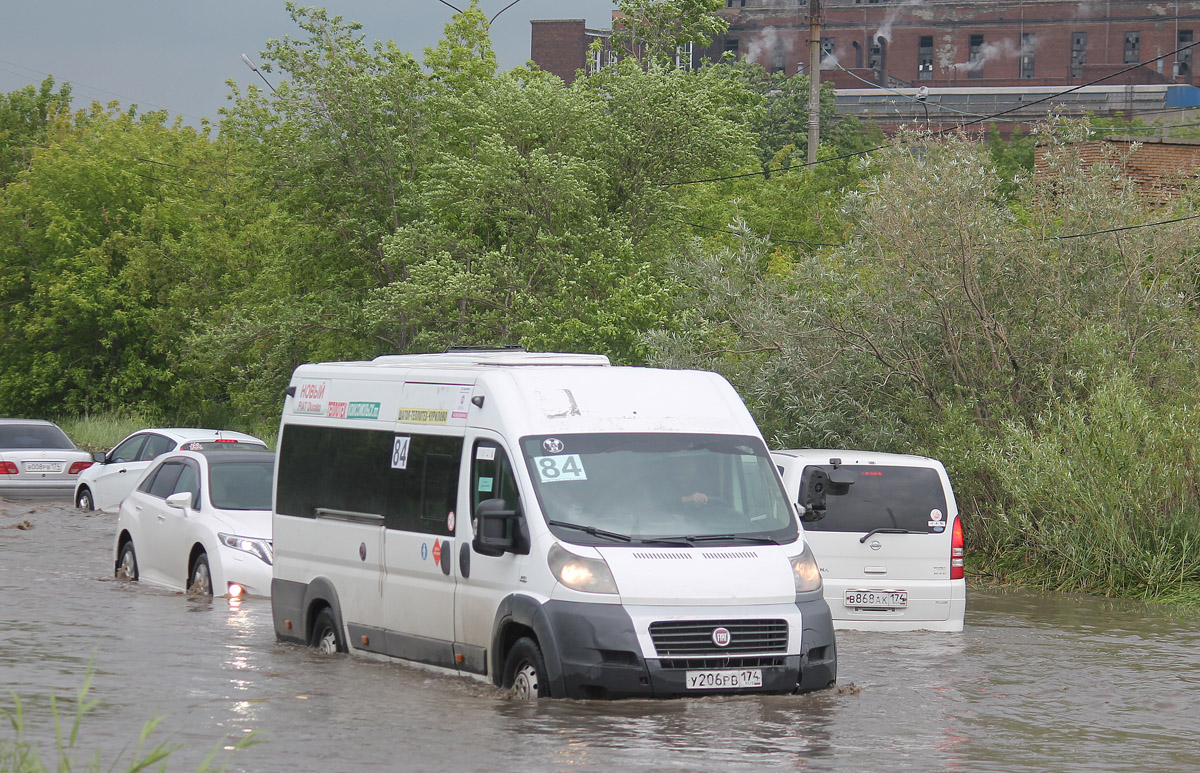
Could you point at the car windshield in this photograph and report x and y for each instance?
(658, 488)
(34, 436)
(882, 497)
(241, 485)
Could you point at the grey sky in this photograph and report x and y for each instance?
(177, 55)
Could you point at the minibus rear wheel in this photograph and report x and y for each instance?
(325, 636)
(525, 671)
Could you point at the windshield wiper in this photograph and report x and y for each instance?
(889, 530)
(592, 530)
(692, 539)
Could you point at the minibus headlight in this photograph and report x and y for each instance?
(252, 545)
(805, 572)
(590, 575)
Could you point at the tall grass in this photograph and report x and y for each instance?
(20, 754)
(100, 432)
(1100, 496)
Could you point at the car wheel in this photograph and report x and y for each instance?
(325, 635)
(200, 578)
(127, 562)
(525, 671)
(83, 500)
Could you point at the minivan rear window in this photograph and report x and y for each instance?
(881, 497)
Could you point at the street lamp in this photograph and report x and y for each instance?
(922, 96)
(250, 63)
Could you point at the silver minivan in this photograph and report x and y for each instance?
(886, 533)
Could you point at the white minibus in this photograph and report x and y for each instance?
(548, 522)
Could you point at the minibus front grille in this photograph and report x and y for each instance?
(676, 638)
(707, 664)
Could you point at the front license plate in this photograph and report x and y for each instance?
(876, 599)
(43, 466)
(724, 680)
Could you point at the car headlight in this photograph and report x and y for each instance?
(805, 571)
(590, 575)
(260, 548)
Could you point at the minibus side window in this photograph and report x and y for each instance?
(359, 471)
(492, 478)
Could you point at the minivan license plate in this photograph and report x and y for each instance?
(876, 599)
(43, 466)
(724, 680)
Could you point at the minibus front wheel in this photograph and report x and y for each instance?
(325, 637)
(525, 671)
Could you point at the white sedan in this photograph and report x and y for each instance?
(200, 522)
(103, 485)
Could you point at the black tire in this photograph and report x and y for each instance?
(326, 636)
(200, 577)
(127, 568)
(525, 675)
(84, 500)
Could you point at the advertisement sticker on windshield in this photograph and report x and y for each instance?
(485, 453)
(552, 469)
(937, 525)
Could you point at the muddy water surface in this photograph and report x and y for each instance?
(1034, 683)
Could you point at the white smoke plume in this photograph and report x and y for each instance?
(994, 52)
(889, 20)
(769, 46)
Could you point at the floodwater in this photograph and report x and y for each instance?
(1035, 682)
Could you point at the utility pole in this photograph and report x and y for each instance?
(814, 79)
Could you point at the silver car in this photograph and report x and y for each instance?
(38, 459)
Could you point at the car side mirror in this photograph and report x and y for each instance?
(100, 457)
(496, 528)
(180, 500)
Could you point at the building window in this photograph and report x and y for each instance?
(683, 56)
(827, 46)
(925, 58)
(1078, 53)
(858, 54)
(875, 57)
(731, 48)
(1028, 42)
(975, 56)
(1132, 55)
(735, 3)
(1183, 60)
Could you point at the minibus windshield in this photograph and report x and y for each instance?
(658, 488)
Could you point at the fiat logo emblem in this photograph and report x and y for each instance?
(721, 637)
(552, 445)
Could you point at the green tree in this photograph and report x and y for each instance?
(25, 115)
(656, 31)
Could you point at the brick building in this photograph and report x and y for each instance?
(1161, 167)
(936, 43)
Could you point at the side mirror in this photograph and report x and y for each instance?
(813, 487)
(100, 457)
(495, 528)
(180, 500)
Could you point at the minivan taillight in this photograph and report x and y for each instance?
(956, 550)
